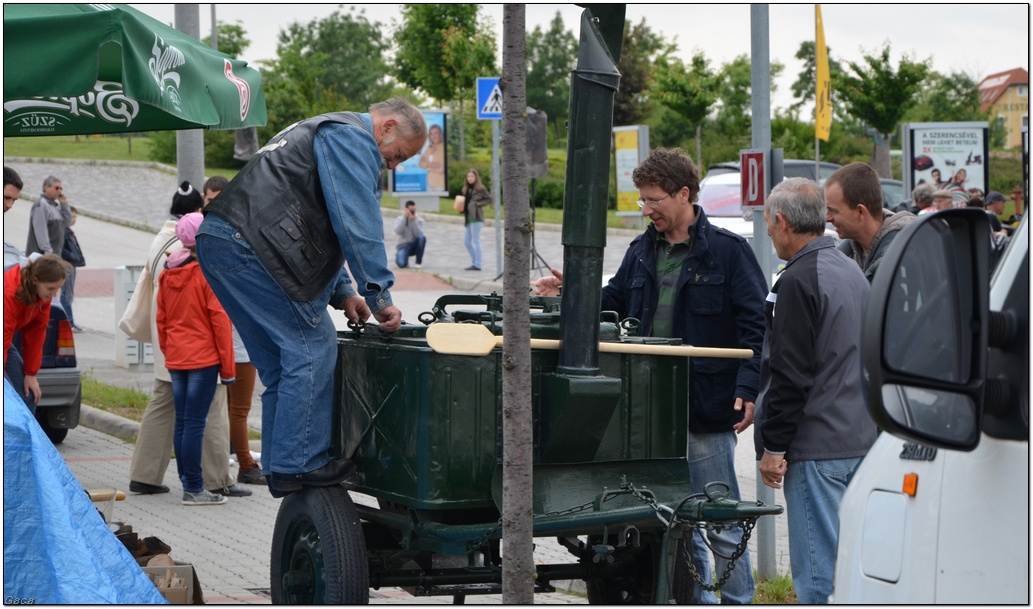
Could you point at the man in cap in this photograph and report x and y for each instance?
(995, 208)
(942, 199)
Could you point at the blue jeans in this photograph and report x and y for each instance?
(293, 345)
(813, 491)
(473, 242)
(192, 392)
(413, 248)
(67, 296)
(712, 459)
(14, 371)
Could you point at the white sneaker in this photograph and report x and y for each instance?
(203, 497)
(417, 266)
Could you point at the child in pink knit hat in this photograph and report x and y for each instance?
(195, 336)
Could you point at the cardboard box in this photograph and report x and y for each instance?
(190, 595)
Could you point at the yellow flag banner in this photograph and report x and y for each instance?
(823, 86)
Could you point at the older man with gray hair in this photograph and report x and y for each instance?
(48, 219)
(812, 427)
(273, 248)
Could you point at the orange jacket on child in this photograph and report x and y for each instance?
(193, 329)
(32, 321)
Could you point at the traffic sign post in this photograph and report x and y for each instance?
(754, 177)
(489, 98)
(489, 107)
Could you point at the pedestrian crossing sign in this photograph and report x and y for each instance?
(489, 98)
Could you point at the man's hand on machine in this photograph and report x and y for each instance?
(549, 286)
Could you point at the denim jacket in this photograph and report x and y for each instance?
(720, 303)
(306, 203)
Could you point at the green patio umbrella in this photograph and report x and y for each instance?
(108, 68)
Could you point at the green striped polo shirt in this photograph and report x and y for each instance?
(670, 258)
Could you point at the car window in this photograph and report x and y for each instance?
(719, 195)
(824, 172)
(892, 194)
(798, 171)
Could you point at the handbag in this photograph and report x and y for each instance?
(459, 204)
(70, 251)
(136, 320)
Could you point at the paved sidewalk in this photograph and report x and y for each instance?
(230, 544)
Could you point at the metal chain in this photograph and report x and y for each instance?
(747, 525)
(483, 540)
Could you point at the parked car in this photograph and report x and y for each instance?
(792, 168)
(892, 192)
(60, 380)
(720, 192)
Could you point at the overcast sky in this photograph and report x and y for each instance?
(977, 39)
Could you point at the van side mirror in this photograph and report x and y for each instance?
(924, 340)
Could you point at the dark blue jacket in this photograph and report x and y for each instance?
(721, 303)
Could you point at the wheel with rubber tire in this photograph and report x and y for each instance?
(319, 552)
(56, 434)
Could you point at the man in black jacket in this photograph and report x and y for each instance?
(687, 278)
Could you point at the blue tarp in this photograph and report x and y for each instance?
(57, 548)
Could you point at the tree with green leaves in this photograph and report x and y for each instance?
(947, 98)
(688, 91)
(735, 99)
(641, 48)
(803, 88)
(336, 62)
(551, 55)
(442, 49)
(231, 38)
(880, 96)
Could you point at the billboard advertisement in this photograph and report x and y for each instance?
(950, 156)
(631, 147)
(428, 170)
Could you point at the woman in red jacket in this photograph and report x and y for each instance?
(27, 295)
(195, 336)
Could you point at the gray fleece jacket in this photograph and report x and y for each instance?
(892, 223)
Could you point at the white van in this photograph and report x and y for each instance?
(938, 511)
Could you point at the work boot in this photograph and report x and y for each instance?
(147, 489)
(251, 475)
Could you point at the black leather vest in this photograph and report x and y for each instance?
(277, 204)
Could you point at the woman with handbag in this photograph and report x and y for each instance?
(475, 197)
(154, 441)
(28, 291)
(72, 254)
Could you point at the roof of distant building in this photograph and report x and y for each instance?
(993, 86)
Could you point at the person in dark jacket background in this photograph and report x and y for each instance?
(686, 278)
(812, 427)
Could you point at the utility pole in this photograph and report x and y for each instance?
(189, 142)
(760, 82)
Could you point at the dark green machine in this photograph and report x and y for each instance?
(425, 429)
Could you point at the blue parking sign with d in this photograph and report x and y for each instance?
(489, 98)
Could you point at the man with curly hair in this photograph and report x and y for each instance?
(687, 278)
